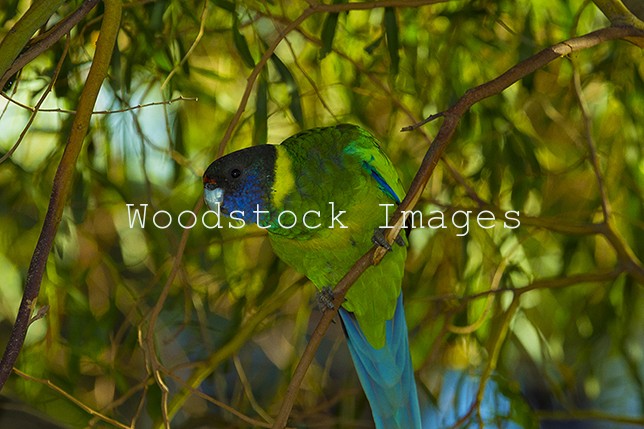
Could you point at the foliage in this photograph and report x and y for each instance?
(203, 327)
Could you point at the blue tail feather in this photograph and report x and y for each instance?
(386, 374)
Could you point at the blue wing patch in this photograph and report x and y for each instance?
(382, 183)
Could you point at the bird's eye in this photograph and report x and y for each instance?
(235, 173)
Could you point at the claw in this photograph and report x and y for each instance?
(380, 240)
(325, 299)
(399, 241)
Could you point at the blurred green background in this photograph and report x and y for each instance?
(553, 309)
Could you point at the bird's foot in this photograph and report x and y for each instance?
(379, 239)
(325, 299)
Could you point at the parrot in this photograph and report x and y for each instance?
(322, 196)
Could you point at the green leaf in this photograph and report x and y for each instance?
(9, 10)
(260, 135)
(182, 53)
(80, 197)
(116, 68)
(241, 44)
(373, 45)
(225, 4)
(157, 11)
(286, 76)
(162, 60)
(61, 86)
(391, 31)
(527, 46)
(328, 33)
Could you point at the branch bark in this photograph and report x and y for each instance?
(63, 183)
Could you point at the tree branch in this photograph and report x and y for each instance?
(63, 182)
(35, 17)
(40, 44)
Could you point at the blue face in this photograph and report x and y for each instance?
(238, 182)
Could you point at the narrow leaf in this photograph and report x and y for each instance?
(328, 33)
(241, 44)
(225, 5)
(294, 91)
(373, 45)
(261, 111)
(391, 31)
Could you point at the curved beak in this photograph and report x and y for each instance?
(213, 195)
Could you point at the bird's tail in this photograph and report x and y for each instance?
(386, 374)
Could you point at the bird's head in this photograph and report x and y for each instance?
(241, 181)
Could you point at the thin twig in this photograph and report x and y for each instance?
(494, 285)
(202, 27)
(72, 399)
(540, 284)
(590, 142)
(427, 120)
(248, 390)
(101, 112)
(607, 226)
